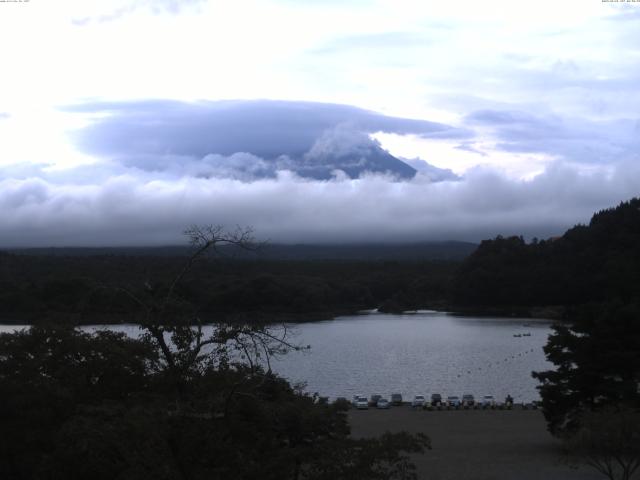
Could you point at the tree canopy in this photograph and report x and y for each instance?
(175, 403)
(593, 263)
(597, 363)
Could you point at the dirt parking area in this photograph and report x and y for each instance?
(477, 444)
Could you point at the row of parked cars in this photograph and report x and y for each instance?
(378, 401)
(467, 400)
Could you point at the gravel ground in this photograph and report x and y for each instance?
(476, 444)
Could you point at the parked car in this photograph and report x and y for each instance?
(488, 401)
(468, 400)
(418, 401)
(383, 403)
(354, 400)
(453, 401)
(396, 399)
(436, 399)
(374, 400)
(362, 403)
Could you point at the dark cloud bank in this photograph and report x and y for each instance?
(295, 171)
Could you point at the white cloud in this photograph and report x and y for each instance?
(129, 206)
(565, 67)
(340, 141)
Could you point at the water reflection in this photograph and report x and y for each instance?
(419, 353)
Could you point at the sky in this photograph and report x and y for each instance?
(124, 122)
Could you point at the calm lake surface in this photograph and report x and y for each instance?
(418, 353)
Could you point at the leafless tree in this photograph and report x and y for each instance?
(181, 339)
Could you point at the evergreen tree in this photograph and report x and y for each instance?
(597, 360)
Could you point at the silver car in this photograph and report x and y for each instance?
(362, 403)
(383, 403)
(418, 401)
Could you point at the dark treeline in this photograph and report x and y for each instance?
(176, 403)
(447, 250)
(589, 263)
(94, 288)
(75, 405)
(594, 272)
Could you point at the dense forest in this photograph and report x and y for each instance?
(94, 288)
(449, 250)
(175, 403)
(589, 263)
(507, 275)
(104, 405)
(591, 398)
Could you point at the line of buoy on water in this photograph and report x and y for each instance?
(479, 406)
(486, 403)
(512, 357)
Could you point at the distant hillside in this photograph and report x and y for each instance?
(366, 252)
(589, 263)
(90, 287)
(351, 252)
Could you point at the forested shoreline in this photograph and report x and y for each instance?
(95, 289)
(177, 402)
(505, 276)
(594, 263)
(166, 406)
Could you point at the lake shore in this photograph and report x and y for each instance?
(476, 444)
(208, 318)
(550, 313)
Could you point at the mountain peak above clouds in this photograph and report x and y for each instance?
(348, 150)
(248, 139)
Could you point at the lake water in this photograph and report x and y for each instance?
(419, 353)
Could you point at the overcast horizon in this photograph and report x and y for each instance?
(124, 122)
